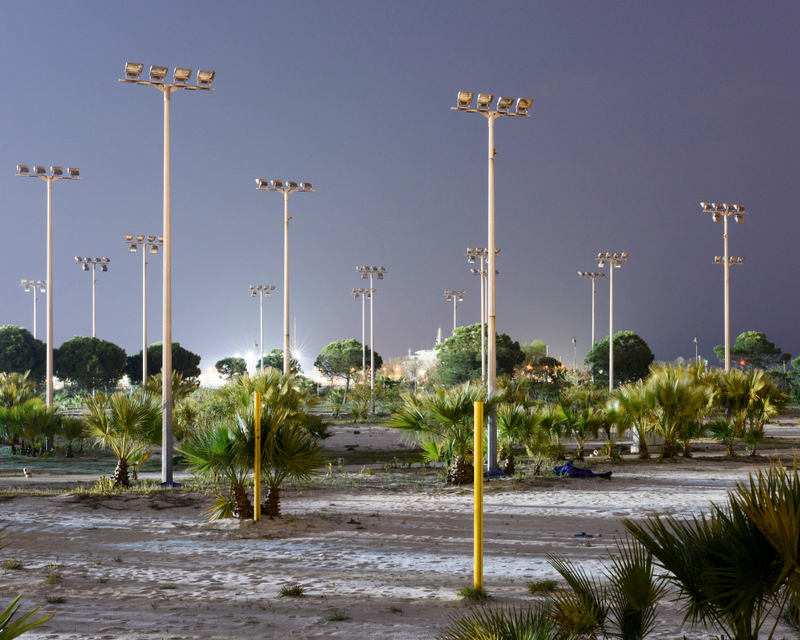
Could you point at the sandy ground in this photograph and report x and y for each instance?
(386, 554)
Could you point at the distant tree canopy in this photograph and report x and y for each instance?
(342, 358)
(755, 350)
(21, 352)
(90, 363)
(274, 359)
(534, 350)
(231, 366)
(632, 359)
(183, 361)
(459, 357)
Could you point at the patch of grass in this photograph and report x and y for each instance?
(11, 565)
(102, 580)
(470, 592)
(292, 591)
(56, 600)
(395, 610)
(54, 577)
(541, 586)
(168, 586)
(338, 616)
(117, 558)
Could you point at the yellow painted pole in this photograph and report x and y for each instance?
(257, 469)
(478, 524)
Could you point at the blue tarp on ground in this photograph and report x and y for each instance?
(576, 472)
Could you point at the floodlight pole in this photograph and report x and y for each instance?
(455, 296)
(166, 363)
(363, 294)
(28, 284)
(262, 290)
(491, 116)
(144, 242)
(73, 175)
(614, 261)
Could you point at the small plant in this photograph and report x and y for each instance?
(292, 591)
(471, 592)
(102, 580)
(541, 586)
(168, 586)
(54, 577)
(56, 600)
(11, 565)
(338, 616)
(395, 610)
(117, 558)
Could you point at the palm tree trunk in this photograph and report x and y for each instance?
(244, 508)
(272, 503)
(120, 476)
(462, 472)
(70, 452)
(644, 454)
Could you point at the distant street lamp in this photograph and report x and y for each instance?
(285, 188)
(594, 276)
(719, 213)
(94, 262)
(696, 355)
(56, 173)
(180, 79)
(259, 291)
(614, 261)
(369, 273)
(456, 297)
(34, 285)
(483, 107)
(154, 242)
(472, 253)
(574, 352)
(363, 294)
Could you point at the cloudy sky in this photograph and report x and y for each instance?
(641, 111)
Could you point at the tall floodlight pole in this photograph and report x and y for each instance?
(594, 276)
(180, 79)
(34, 285)
(614, 261)
(719, 213)
(363, 294)
(471, 254)
(154, 242)
(259, 291)
(456, 297)
(285, 188)
(484, 108)
(370, 272)
(94, 262)
(56, 173)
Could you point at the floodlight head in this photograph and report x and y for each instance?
(78, 259)
(706, 205)
(132, 248)
(374, 268)
(128, 237)
(617, 265)
(85, 266)
(465, 98)
(154, 248)
(485, 100)
(133, 69)
(23, 169)
(739, 217)
(504, 104)
(471, 260)
(306, 186)
(205, 78)
(39, 171)
(380, 276)
(252, 286)
(291, 184)
(600, 256)
(253, 295)
(181, 75)
(161, 239)
(272, 288)
(717, 259)
(27, 288)
(103, 267)
(497, 251)
(474, 272)
(383, 268)
(151, 238)
(601, 264)
(261, 183)
(158, 73)
(277, 184)
(523, 104)
(57, 171)
(624, 256)
(98, 259)
(140, 238)
(364, 276)
(470, 249)
(74, 172)
(739, 208)
(716, 217)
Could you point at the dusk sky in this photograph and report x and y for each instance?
(641, 111)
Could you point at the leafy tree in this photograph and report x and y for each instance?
(21, 352)
(274, 359)
(342, 358)
(459, 357)
(632, 359)
(231, 366)
(534, 350)
(754, 348)
(90, 363)
(183, 361)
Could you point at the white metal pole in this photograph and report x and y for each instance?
(593, 289)
(727, 304)
(491, 448)
(363, 338)
(34, 313)
(49, 292)
(166, 361)
(94, 300)
(261, 305)
(371, 344)
(144, 315)
(454, 314)
(286, 283)
(483, 328)
(611, 327)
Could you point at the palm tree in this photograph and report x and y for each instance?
(180, 388)
(517, 425)
(34, 422)
(727, 429)
(636, 402)
(10, 628)
(616, 423)
(73, 428)
(119, 423)
(583, 424)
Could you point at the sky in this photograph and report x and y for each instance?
(641, 111)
